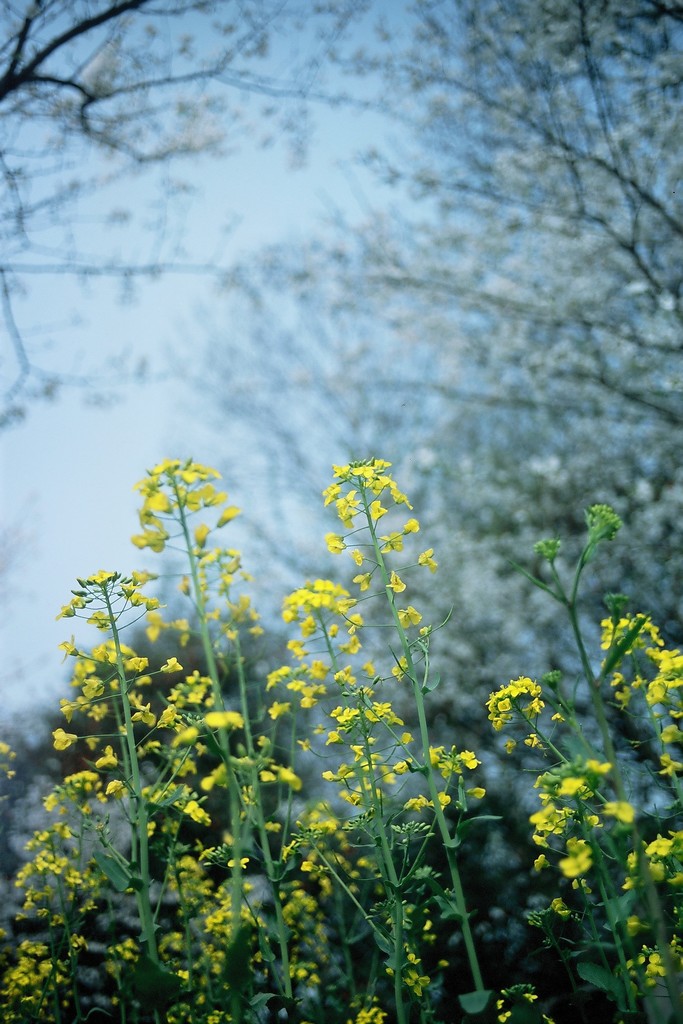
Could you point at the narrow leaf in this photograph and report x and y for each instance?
(118, 875)
(598, 976)
(616, 653)
(475, 1003)
(154, 984)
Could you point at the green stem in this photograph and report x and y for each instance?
(608, 896)
(271, 873)
(140, 817)
(643, 867)
(458, 891)
(234, 801)
(386, 863)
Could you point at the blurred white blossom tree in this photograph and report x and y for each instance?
(509, 329)
(94, 94)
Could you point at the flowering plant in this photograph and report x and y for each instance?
(247, 846)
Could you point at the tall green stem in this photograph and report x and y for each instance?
(643, 867)
(447, 838)
(235, 808)
(141, 817)
(271, 874)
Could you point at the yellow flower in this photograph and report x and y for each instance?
(396, 583)
(197, 813)
(634, 925)
(560, 908)
(669, 765)
(659, 847)
(63, 740)
(377, 510)
(392, 542)
(427, 559)
(172, 665)
(116, 789)
(144, 714)
(335, 543)
(671, 734)
(409, 617)
(187, 736)
(201, 532)
(571, 786)
(136, 664)
(287, 776)
(227, 515)
(224, 720)
(621, 810)
(167, 717)
(579, 859)
(363, 580)
(108, 759)
(278, 708)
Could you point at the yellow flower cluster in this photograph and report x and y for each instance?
(521, 696)
(171, 491)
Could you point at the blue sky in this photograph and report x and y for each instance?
(68, 470)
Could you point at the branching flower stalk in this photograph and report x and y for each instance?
(140, 821)
(603, 524)
(369, 787)
(198, 597)
(419, 690)
(362, 491)
(283, 977)
(243, 945)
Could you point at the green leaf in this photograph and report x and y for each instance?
(599, 977)
(432, 684)
(616, 653)
(449, 911)
(479, 1006)
(212, 744)
(384, 944)
(467, 823)
(118, 874)
(154, 984)
(534, 579)
(238, 969)
(170, 797)
(525, 1013)
(262, 998)
(622, 905)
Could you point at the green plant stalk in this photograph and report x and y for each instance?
(458, 891)
(604, 882)
(594, 687)
(344, 944)
(48, 990)
(397, 931)
(116, 972)
(386, 861)
(73, 959)
(562, 955)
(224, 743)
(656, 728)
(141, 818)
(286, 981)
(345, 888)
(387, 866)
(390, 875)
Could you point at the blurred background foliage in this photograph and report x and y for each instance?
(504, 323)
